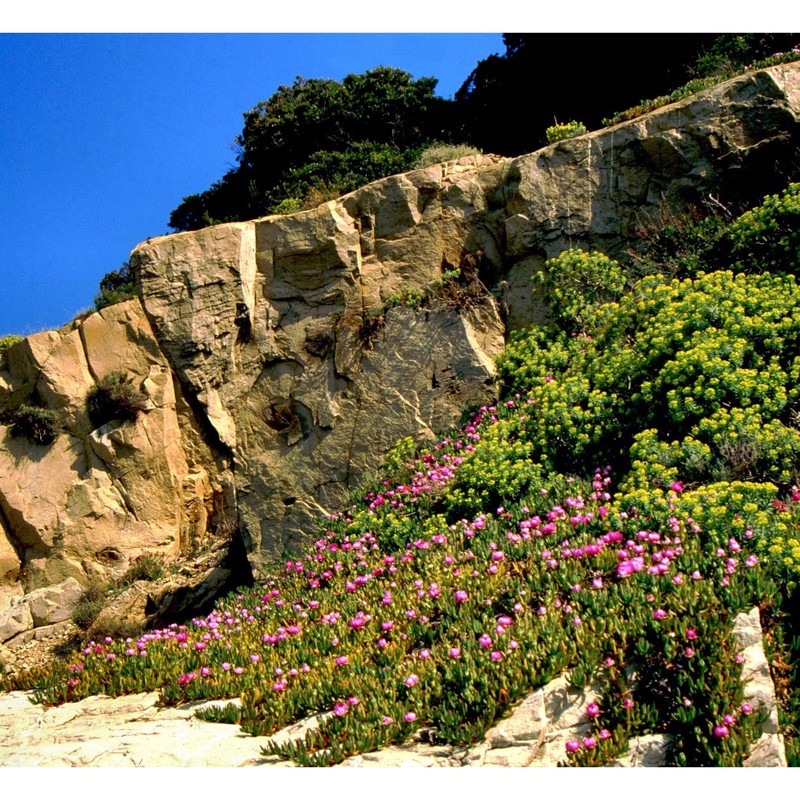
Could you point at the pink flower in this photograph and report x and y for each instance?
(496, 655)
(455, 652)
(659, 613)
(728, 719)
(461, 596)
(485, 640)
(340, 661)
(353, 701)
(691, 634)
(573, 745)
(226, 666)
(627, 703)
(412, 680)
(592, 710)
(720, 731)
(747, 708)
(589, 742)
(387, 720)
(410, 716)
(339, 709)
(688, 652)
(605, 734)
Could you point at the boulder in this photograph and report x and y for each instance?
(53, 604)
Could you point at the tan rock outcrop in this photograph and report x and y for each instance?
(85, 504)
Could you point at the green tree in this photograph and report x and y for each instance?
(322, 135)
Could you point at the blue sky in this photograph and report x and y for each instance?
(102, 135)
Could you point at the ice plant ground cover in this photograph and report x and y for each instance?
(470, 616)
(480, 567)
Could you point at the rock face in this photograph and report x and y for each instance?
(275, 379)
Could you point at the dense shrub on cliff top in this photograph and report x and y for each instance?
(322, 135)
(484, 565)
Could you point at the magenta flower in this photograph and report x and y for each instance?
(353, 701)
(226, 666)
(496, 655)
(747, 708)
(589, 742)
(340, 661)
(410, 716)
(592, 710)
(387, 720)
(573, 745)
(424, 653)
(691, 634)
(720, 731)
(412, 680)
(688, 652)
(455, 652)
(461, 596)
(605, 734)
(485, 640)
(339, 709)
(659, 613)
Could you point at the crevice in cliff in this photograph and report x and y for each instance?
(9, 530)
(85, 349)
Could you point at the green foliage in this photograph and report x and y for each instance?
(320, 138)
(437, 152)
(730, 53)
(289, 205)
(680, 244)
(766, 238)
(116, 287)
(455, 290)
(114, 397)
(88, 607)
(326, 174)
(719, 68)
(575, 283)
(564, 130)
(8, 341)
(709, 361)
(146, 567)
(40, 425)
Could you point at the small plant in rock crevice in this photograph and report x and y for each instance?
(40, 425)
(115, 397)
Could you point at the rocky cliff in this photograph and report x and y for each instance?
(274, 376)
